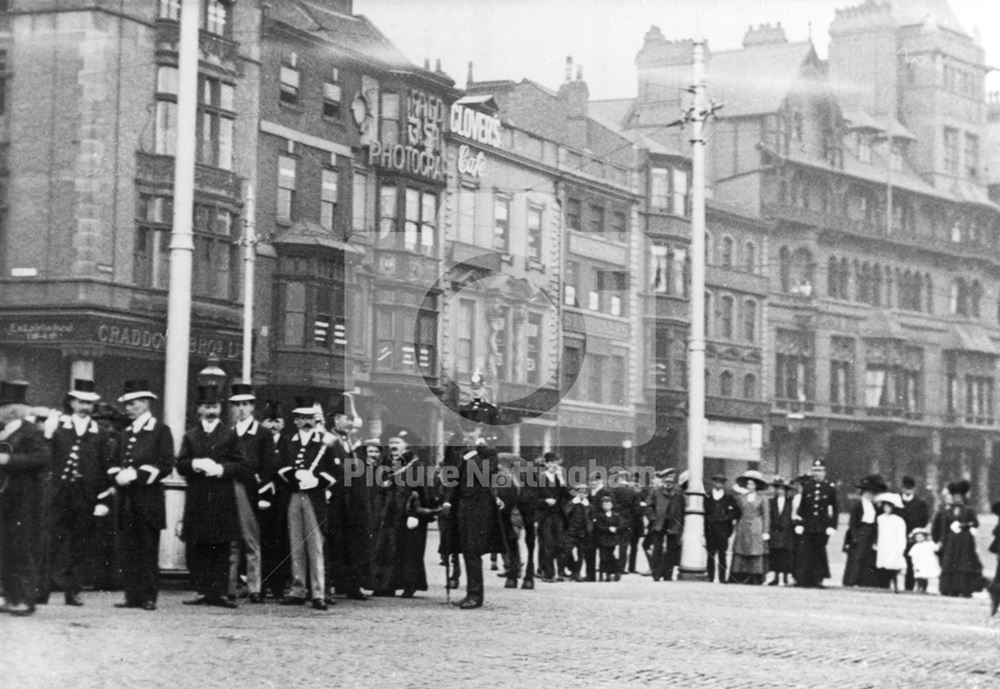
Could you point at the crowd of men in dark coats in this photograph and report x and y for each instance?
(307, 514)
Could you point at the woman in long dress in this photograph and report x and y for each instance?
(961, 568)
(753, 530)
(862, 532)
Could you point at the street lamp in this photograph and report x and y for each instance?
(212, 374)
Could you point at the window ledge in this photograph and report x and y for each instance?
(291, 107)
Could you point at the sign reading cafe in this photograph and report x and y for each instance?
(481, 127)
(422, 152)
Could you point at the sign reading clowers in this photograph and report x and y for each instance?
(481, 127)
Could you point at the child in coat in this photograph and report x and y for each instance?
(924, 558)
(607, 525)
(891, 542)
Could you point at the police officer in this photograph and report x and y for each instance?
(79, 489)
(815, 521)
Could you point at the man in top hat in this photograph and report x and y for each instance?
(815, 522)
(211, 460)
(553, 494)
(308, 473)
(665, 511)
(272, 505)
(143, 458)
(721, 513)
(24, 459)
(349, 543)
(258, 451)
(79, 490)
(917, 514)
(473, 504)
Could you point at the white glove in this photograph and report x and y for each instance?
(214, 470)
(613, 529)
(830, 531)
(955, 527)
(306, 479)
(500, 504)
(412, 523)
(799, 530)
(766, 537)
(550, 501)
(263, 504)
(126, 476)
(101, 510)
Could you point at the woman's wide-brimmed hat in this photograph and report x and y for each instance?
(752, 475)
(873, 483)
(891, 498)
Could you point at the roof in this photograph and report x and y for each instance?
(612, 112)
(352, 34)
(756, 80)
(311, 233)
(910, 12)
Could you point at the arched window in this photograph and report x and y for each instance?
(917, 291)
(750, 257)
(726, 384)
(727, 252)
(975, 298)
(726, 317)
(802, 272)
(876, 291)
(929, 287)
(888, 287)
(708, 250)
(750, 320)
(785, 267)
(844, 277)
(833, 278)
(959, 295)
(749, 386)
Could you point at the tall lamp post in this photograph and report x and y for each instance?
(693, 555)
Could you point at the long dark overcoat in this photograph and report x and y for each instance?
(210, 514)
(474, 513)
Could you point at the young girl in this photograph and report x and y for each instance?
(891, 542)
(607, 524)
(924, 559)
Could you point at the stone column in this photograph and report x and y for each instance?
(932, 481)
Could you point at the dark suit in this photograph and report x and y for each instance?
(475, 515)
(21, 500)
(782, 544)
(916, 513)
(719, 518)
(77, 483)
(256, 442)
(665, 511)
(627, 505)
(352, 538)
(817, 512)
(275, 566)
(141, 505)
(211, 518)
(580, 538)
(551, 524)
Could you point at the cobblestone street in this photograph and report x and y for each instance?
(635, 632)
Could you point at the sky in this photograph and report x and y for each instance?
(515, 39)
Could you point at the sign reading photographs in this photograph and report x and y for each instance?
(422, 152)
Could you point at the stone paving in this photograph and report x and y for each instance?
(632, 633)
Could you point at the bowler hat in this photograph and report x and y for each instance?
(719, 477)
(960, 487)
(304, 405)
(908, 482)
(13, 392)
(208, 394)
(83, 390)
(752, 475)
(136, 390)
(873, 483)
(241, 392)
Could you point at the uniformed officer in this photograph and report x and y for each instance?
(272, 505)
(24, 458)
(257, 447)
(815, 521)
(143, 458)
(308, 473)
(79, 489)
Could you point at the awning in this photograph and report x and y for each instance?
(970, 338)
(311, 233)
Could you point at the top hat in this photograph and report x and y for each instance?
(208, 394)
(304, 406)
(721, 478)
(272, 410)
(752, 475)
(891, 498)
(136, 390)
(83, 390)
(961, 487)
(819, 464)
(15, 392)
(241, 392)
(908, 482)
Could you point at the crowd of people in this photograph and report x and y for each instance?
(307, 514)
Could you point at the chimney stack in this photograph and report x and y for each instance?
(569, 68)
(468, 77)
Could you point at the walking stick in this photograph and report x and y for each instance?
(444, 521)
